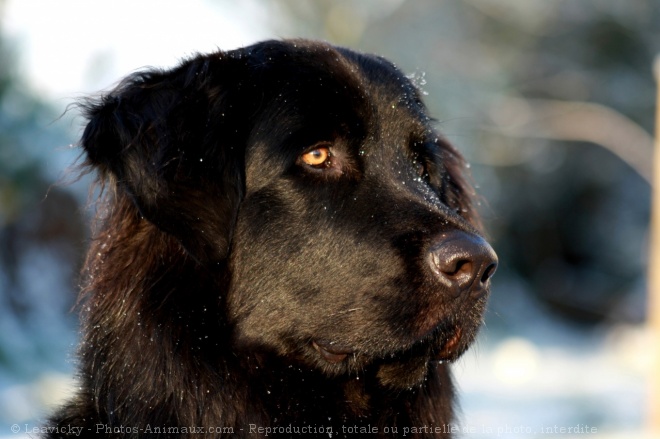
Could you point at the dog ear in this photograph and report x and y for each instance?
(170, 141)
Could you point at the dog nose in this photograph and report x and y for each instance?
(463, 261)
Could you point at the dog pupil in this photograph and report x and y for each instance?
(318, 157)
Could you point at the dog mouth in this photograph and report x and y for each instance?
(446, 344)
(330, 351)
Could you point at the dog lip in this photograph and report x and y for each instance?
(331, 353)
(449, 347)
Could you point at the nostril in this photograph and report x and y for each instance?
(457, 268)
(488, 273)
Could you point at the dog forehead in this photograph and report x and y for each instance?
(313, 70)
(316, 90)
(305, 93)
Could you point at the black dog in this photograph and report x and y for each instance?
(288, 248)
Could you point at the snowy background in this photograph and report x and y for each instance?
(552, 103)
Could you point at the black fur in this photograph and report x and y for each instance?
(221, 261)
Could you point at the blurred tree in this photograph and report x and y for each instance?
(577, 232)
(340, 21)
(41, 232)
(569, 218)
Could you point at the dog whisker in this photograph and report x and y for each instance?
(346, 311)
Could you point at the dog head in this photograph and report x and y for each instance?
(313, 175)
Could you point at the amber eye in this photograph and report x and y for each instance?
(317, 158)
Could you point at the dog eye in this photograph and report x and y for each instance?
(420, 168)
(317, 158)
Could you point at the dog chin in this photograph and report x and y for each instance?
(398, 370)
(405, 373)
